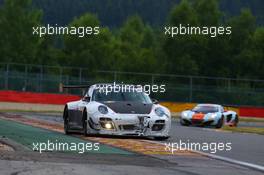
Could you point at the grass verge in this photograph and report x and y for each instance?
(250, 119)
(244, 129)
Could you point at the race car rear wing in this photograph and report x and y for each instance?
(83, 87)
(75, 86)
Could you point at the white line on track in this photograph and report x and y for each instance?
(226, 159)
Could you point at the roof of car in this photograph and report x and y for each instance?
(111, 84)
(213, 105)
(107, 85)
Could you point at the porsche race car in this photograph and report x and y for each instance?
(126, 112)
(209, 115)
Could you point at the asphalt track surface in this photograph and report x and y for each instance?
(245, 147)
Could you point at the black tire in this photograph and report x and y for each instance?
(85, 122)
(183, 123)
(220, 123)
(66, 120)
(236, 120)
(162, 138)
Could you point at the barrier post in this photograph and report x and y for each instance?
(41, 79)
(152, 79)
(80, 75)
(229, 85)
(6, 76)
(115, 76)
(60, 74)
(25, 79)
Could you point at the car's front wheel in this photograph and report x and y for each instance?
(85, 123)
(66, 121)
(183, 123)
(220, 123)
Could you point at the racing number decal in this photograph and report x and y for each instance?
(198, 116)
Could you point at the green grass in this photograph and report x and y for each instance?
(27, 135)
(249, 119)
(244, 129)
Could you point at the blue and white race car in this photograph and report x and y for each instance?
(209, 115)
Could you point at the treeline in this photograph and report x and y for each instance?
(136, 45)
(113, 13)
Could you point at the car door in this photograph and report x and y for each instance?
(81, 107)
(75, 114)
(224, 113)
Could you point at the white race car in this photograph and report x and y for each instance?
(209, 115)
(126, 112)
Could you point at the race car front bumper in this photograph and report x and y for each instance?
(199, 122)
(133, 125)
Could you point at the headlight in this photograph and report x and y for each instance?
(108, 126)
(185, 114)
(102, 109)
(159, 111)
(212, 116)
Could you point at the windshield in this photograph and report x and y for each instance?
(121, 96)
(205, 109)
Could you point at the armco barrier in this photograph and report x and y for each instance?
(251, 111)
(61, 99)
(42, 98)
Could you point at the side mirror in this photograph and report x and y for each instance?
(154, 101)
(86, 98)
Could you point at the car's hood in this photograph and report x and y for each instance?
(129, 107)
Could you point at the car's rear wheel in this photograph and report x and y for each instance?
(220, 123)
(236, 121)
(66, 120)
(85, 122)
(183, 123)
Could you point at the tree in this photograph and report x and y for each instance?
(137, 46)
(91, 51)
(17, 44)
(179, 50)
(243, 26)
(207, 11)
(213, 61)
(258, 49)
(240, 42)
(183, 14)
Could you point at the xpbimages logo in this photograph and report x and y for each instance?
(60, 30)
(212, 147)
(212, 31)
(120, 87)
(80, 147)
